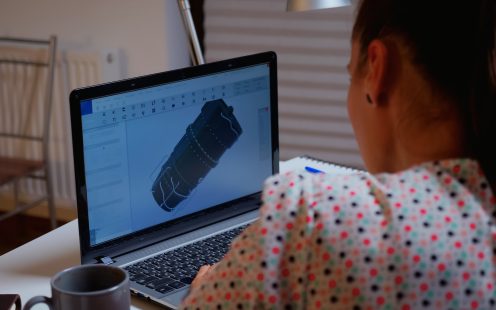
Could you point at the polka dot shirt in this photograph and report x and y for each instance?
(424, 238)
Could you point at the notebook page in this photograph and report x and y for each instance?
(301, 162)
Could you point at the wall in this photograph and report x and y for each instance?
(313, 50)
(148, 34)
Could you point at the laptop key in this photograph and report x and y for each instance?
(176, 284)
(136, 277)
(158, 283)
(146, 280)
(187, 280)
(164, 289)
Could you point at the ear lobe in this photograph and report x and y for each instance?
(377, 68)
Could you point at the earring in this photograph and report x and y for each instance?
(369, 100)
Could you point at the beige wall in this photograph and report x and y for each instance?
(148, 33)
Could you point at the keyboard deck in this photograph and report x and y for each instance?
(177, 268)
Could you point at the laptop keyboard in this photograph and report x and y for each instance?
(177, 268)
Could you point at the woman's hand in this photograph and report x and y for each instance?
(204, 271)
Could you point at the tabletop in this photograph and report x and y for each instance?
(27, 269)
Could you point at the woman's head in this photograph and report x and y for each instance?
(449, 44)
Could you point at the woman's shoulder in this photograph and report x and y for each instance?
(290, 189)
(444, 176)
(306, 181)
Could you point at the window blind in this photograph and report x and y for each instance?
(313, 50)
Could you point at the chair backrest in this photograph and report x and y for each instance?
(27, 69)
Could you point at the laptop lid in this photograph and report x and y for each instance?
(164, 154)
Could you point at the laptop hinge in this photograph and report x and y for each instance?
(105, 260)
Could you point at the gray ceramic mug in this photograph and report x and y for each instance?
(87, 287)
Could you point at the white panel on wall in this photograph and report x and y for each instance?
(313, 50)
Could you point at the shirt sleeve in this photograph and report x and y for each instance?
(268, 258)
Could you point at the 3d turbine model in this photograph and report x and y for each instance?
(206, 139)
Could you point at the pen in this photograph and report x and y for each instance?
(313, 170)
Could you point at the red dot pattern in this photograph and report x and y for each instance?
(421, 238)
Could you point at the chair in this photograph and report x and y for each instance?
(26, 86)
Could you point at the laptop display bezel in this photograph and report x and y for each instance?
(184, 224)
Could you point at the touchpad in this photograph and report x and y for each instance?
(176, 298)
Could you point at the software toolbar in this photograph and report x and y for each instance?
(124, 109)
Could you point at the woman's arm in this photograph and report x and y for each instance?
(255, 273)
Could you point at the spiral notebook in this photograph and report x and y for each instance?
(313, 164)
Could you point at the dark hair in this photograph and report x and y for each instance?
(452, 43)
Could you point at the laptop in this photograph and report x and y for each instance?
(169, 168)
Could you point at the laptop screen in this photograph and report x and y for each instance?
(162, 152)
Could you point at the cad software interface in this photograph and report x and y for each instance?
(159, 153)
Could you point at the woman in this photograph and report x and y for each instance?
(420, 231)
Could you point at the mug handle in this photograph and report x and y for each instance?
(36, 300)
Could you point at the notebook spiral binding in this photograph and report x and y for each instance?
(316, 165)
(351, 169)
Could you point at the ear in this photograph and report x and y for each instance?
(377, 68)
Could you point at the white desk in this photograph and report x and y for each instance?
(27, 270)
